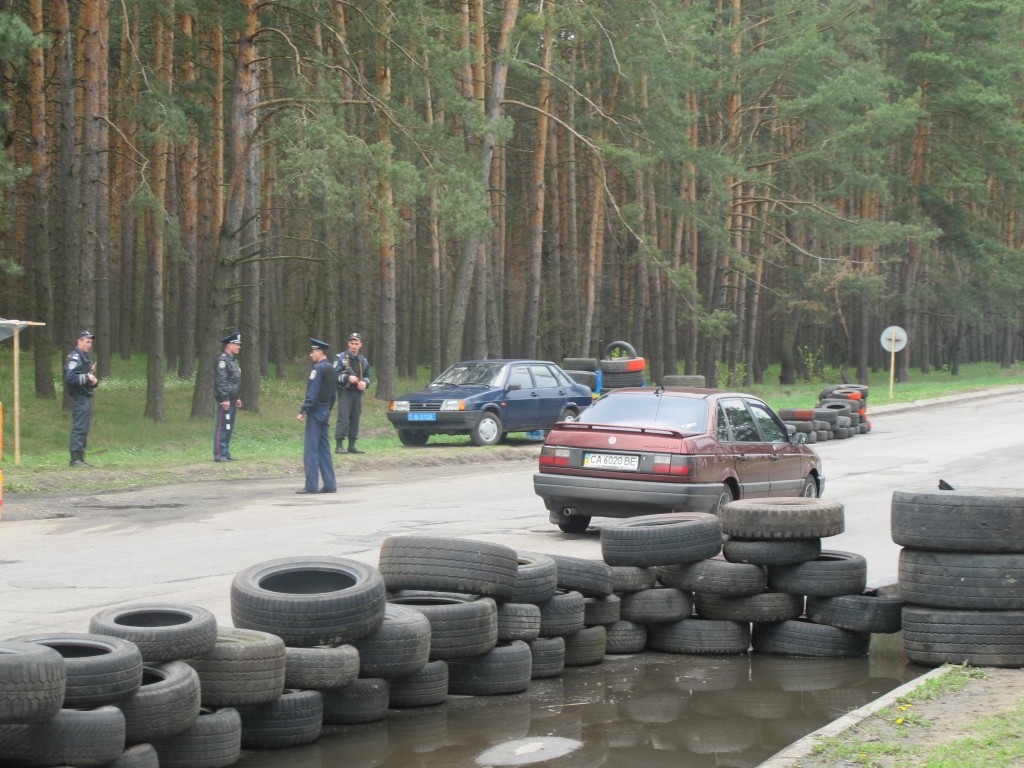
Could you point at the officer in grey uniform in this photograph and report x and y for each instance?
(227, 384)
(353, 371)
(80, 381)
(316, 413)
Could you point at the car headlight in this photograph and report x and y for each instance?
(453, 405)
(400, 406)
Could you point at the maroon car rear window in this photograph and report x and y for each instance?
(684, 414)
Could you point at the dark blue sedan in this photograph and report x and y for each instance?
(486, 399)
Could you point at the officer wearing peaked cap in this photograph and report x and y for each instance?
(80, 381)
(316, 413)
(227, 385)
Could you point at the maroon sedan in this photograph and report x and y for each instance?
(639, 451)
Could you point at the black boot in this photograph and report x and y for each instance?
(78, 459)
(81, 458)
(352, 446)
(338, 447)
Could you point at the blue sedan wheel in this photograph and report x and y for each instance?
(487, 431)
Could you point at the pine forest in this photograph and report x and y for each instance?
(726, 184)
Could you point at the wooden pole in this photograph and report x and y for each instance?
(892, 361)
(17, 324)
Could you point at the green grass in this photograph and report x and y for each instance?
(880, 742)
(133, 450)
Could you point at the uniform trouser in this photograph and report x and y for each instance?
(317, 457)
(350, 403)
(81, 415)
(222, 430)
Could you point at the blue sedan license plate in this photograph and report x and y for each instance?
(422, 417)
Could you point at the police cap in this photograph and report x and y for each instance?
(355, 337)
(85, 335)
(317, 344)
(232, 338)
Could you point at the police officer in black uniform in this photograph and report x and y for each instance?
(316, 413)
(80, 381)
(353, 371)
(227, 384)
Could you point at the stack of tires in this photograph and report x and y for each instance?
(582, 370)
(621, 366)
(683, 380)
(961, 575)
(751, 591)
(841, 413)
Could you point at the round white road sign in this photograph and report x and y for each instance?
(894, 339)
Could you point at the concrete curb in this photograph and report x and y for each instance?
(798, 750)
(963, 397)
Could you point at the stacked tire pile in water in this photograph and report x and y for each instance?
(624, 369)
(961, 575)
(841, 412)
(330, 641)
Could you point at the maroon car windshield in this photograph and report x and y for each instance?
(641, 409)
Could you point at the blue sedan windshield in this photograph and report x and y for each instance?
(685, 414)
(486, 374)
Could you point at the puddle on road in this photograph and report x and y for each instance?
(649, 709)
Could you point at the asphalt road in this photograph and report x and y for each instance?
(63, 559)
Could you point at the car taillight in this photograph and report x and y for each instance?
(553, 456)
(678, 466)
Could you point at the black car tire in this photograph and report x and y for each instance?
(214, 740)
(601, 610)
(536, 578)
(716, 577)
(574, 523)
(292, 719)
(487, 431)
(962, 580)
(425, 688)
(588, 364)
(877, 614)
(831, 573)
(32, 682)
(586, 378)
(136, 756)
(167, 702)
(449, 565)
(568, 414)
(413, 437)
(936, 636)
(591, 578)
(363, 701)
(651, 540)
(632, 578)
(458, 627)
(777, 552)
(547, 657)
(766, 607)
(309, 601)
(624, 379)
(518, 621)
(504, 669)
(726, 495)
(782, 518)
(100, 669)
(400, 646)
(562, 614)
(625, 637)
(961, 520)
(804, 638)
(659, 604)
(699, 636)
(623, 346)
(321, 667)
(79, 737)
(585, 647)
(162, 631)
(244, 667)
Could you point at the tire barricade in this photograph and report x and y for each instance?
(841, 412)
(961, 574)
(437, 617)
